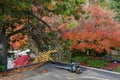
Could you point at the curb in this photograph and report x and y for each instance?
(91, 68)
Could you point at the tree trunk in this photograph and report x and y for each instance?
(3, 45)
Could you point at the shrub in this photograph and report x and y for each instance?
(96, 63)
(118, 69)
(80, 59)
(44, 56)
(21, 61)
(2, 67)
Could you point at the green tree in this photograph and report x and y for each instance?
(27, 11)
(115, 5)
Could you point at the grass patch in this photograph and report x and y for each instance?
(118, 69)
(96, 63)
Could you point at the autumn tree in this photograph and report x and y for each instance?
(17, 11)
(96, 32)
(28, 14)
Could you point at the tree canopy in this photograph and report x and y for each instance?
(96, 33)
(115, 5)
(14, 10)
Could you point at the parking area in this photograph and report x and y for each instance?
(54, 73)
(49, 72)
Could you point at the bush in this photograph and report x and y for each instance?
(78, 53)
(21, 61)
(96, 63)
(80, 59)
(2, 68)
(118, 69)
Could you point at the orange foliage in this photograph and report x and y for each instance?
(18, 40)
(99, 32)
(50, 6)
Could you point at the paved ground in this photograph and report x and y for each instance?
(59, 74)
(50, 72)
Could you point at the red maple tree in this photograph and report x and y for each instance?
(98, 32)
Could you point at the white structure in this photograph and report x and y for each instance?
(10, 63)
(19, 52)
(16, 54)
